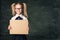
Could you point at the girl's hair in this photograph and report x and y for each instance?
(24, 7)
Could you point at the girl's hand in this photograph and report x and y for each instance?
(9, 27)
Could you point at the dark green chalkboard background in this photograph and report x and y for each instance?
(44, 19)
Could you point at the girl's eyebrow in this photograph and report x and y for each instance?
(18, 8)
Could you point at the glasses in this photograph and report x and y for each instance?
(18, 8)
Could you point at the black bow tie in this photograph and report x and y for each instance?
(18, 18)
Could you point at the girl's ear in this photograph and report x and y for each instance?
(25, 10)
(13, 9)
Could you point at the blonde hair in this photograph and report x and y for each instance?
(24, 9)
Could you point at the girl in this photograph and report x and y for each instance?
(17, 10)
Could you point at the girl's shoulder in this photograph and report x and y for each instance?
(24, 17)
(12, 18)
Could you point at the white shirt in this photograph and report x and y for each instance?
(14, 17)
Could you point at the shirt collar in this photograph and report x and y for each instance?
(19, 15)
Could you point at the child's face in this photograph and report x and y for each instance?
(18, 9)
